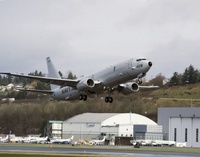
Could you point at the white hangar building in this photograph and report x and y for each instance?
(89, 126)
(181, 125)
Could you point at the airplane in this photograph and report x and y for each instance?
(29, 139)
(83, 142)
(7, 88)
(39, 140)
(4, 139)
(16, 139)
(97, 142)
(109, 80)
(62, 141)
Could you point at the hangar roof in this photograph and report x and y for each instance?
(90, 117)
(111, 119)
(128, 118)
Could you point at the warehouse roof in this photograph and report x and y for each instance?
(110, 119)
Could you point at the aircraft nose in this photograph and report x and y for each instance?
(150, 64)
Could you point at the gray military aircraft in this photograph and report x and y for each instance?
(113, 78)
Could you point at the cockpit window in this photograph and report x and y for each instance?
(141, 59)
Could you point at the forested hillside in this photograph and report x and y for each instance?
(24, 117)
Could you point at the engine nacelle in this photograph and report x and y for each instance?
(85, 84)
(128, 88)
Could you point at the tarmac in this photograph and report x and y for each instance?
(97, 150)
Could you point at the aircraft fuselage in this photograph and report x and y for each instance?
(107, 79)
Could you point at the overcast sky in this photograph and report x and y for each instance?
(85, 36)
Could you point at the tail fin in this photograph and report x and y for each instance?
(52, 72)
(72, 138)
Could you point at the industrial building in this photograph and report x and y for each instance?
(117, 128)
(53, 129)
(180, 125)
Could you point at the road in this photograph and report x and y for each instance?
(112, 151)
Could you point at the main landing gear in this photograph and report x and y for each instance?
(109, 99)
(139, 81)
(83, 97)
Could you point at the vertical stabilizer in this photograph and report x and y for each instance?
(52, 72)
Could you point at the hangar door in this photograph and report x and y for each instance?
(185, 129)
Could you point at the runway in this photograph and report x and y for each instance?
(103, 151)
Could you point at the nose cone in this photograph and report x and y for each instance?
(150, 64)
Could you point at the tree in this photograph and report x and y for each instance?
(176, 79)
(158, 80)
(5, 80)
(185, 77)
(40, 85)
(21, 95)
(190, 75)
(71, 75)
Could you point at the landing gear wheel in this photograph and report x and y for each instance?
(83, 97)
(139, 81)
(108, 99)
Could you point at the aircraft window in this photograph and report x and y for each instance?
(141, 59)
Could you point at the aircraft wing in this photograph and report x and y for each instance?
(131, 87)
(148, 87)
(48, 80)
(35, 90)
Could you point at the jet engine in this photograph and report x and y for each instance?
(85, 84)
(128, 88)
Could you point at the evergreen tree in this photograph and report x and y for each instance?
(175, 79)
(71, 76)
(190, 75)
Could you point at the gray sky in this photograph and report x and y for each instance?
(85, 36)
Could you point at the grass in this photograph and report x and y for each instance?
(171, 149)
(39, 154)
(185, 91)
(8, 154)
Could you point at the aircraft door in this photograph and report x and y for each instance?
(131, 68)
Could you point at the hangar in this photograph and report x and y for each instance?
(118, 128)
(181, 125)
